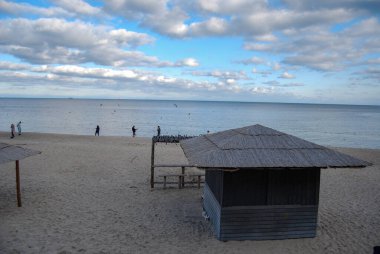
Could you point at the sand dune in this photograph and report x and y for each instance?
(88, 194)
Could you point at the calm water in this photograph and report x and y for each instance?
(334, 125)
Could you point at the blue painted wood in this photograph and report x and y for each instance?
(213, 209)
(268, 222)
(263, 205)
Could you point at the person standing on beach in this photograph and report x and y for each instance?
(97, 130)
(134, 130)
(19, 128)
(12, 130)
(158, 130)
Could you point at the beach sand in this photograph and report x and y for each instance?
(88, 194)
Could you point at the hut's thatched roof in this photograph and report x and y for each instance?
(10, 153)
(258, 146)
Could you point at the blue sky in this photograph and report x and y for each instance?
(239, 50)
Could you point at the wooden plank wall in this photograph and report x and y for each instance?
(268, 222)
(248, 187)
(214, 179)
(293, 187)
(245, 187)
(212, 208)
(262, 204)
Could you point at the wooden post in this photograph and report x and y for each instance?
(199, 182)
(183, 178)
(152, 165)
(179, 182)
(18, 189)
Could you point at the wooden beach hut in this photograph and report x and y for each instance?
(261, 183)
(9, 153)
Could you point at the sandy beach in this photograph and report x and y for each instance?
(88, 194)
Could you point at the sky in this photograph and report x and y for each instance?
(298, 51)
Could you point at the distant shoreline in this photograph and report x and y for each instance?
(4, 137)
(4, 134)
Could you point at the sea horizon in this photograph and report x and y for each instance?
(191, 100)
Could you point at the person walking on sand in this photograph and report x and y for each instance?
(12, 130)
(97, 130)
(19, 128)
(158, 130)
(134, 130)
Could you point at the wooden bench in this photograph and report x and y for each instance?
(199, 176)
(181, 179)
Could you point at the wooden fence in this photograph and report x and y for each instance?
(165, 139)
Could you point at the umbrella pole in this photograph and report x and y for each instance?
(18, 184)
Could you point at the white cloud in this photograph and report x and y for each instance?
(276, 66)
(270, 21)
(293, 85)
(191, 62)
(49, 41)
(64, 8)
(129, 38)
(230, 6)
(265, 38)
(168, 22)
(286, 75)
(300, 32)
(212, 26)
(79, 7)
(222, 75)
(317, 61)
(271, 83)
(4, 65)
(78, 71)
(249, 19)
(153, 14)
(25, 8)
(370, 74)
(136, 9)
(260, 72)
(322, 50)
(373, 61)
(122, 80)
(230, 81)
(58, 32)
(257, 46)
(275, 83)
(261, 90)
(252, 60)
(366, 5)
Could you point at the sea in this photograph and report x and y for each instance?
(331, 125)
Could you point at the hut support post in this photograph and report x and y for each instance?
(152, 165)
(18, 189)
(183, 176)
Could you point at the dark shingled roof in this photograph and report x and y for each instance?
(10, 153)
(258, 146)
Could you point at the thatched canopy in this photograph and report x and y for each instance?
(10, 153)
(258, 146)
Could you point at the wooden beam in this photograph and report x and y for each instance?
(173, 166)
(152, 165)
(18, 189)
